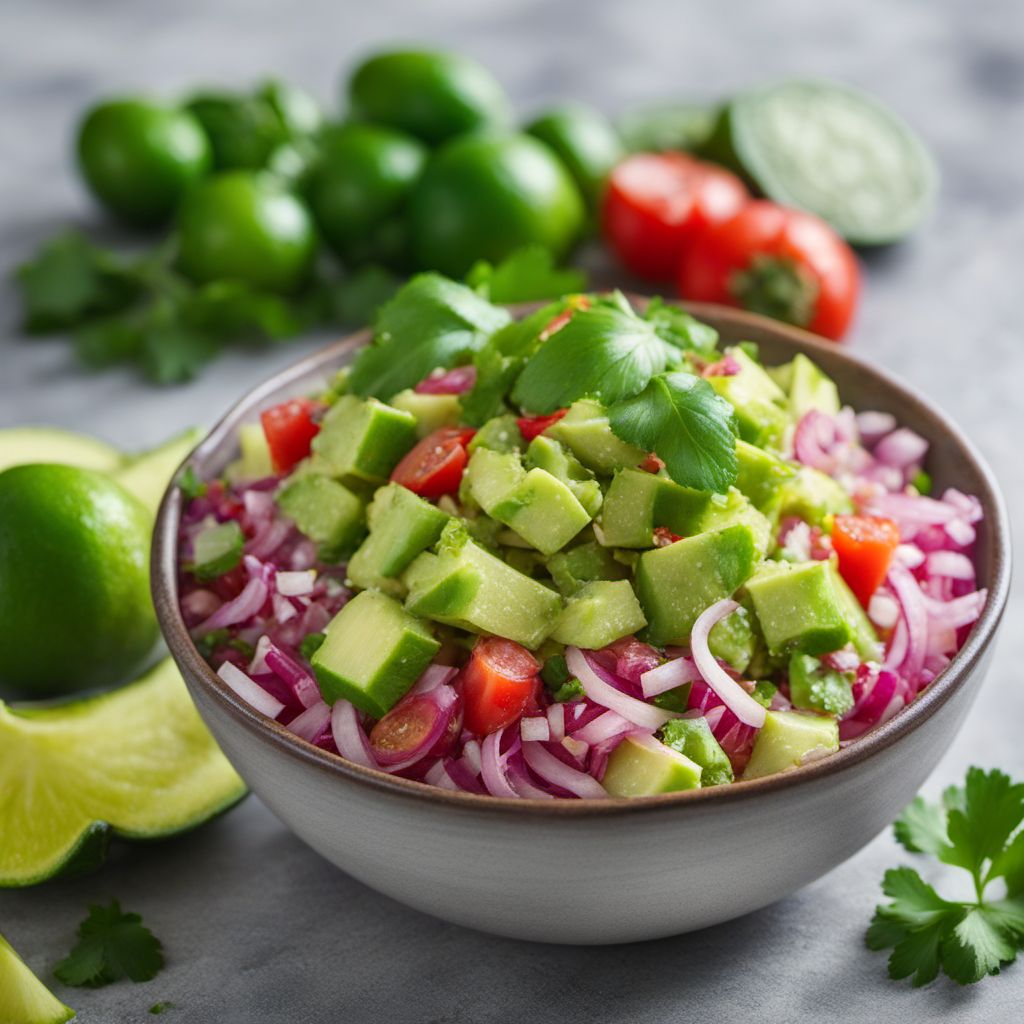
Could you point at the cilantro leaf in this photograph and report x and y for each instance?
(687, 425)
(978, 946)
(680, 329)
(602, 352)
(992, 809)
(356, 297)
(529, 274)
(111, 945)
(921, 828)
(431, 322)
(1010, 865)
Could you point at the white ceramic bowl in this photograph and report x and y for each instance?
(596, 871)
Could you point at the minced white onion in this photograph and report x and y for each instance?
(535, 728)
(295, 584)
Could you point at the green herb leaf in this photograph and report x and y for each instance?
(528, 275)
(921, 828)
(111, 945)
(678, 328)
(977, 946)
(687, 425)
(432, 322)
(993, 807)
(355, 299)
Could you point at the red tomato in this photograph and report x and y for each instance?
(864, 546)
(289, 429)
(652, 464)
(556, 323)
(783, 263)
(408, 726)
(497, 684)
(533, 426)
(658, 203)
(434, 466)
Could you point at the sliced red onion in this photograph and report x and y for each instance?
(252, 693)
(259, 657)
(492, 767)
(295, 584)
(535, 728)
(577, 748)
(913, 508)
(556, 722)
(883, 610)
(909, 555)
(284, 610)
(966, 504)
(557, 773)
(244, 607)
(350, 736)
(960, 532)
(915, 615)
(199, 605)
(311, 722)
(951, 564)
(452, 382)
(268, 538)
(258, 504)
(873, 426)
(611, 723)
(433, 675)
(815, 439)
(438, 776)
(901, 449)
(677, 672)
(473, 755)
(302, 684)
(961, 611)
(522, 784)
(735, 698)
(636, 711)
(303, 555)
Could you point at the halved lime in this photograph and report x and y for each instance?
(147, 475)
(24, 999)
(20, 445)
(834, 151)
(137, 763)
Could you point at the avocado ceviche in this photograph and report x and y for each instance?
(582, 554)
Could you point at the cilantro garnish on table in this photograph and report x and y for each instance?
(112, 944)
(977, 828)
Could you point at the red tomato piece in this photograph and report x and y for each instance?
(289, 429)
(782, 263)
(658, 204)
(663, 536)
(408, 726)
(652, 464)
(865, 546)
(434, 467)
(532, 426)
(556, 323)
(498, 683)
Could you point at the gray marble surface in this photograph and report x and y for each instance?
(256, 927)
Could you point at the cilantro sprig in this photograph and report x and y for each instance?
(112, 944)
(977, 827)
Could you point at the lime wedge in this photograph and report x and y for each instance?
(137, 763)
(24, 999)
(21, 445)
(147, 475)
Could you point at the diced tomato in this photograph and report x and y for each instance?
(289, 429)
(497, 684)
(556, 323)
(663, 536)
(652, 464)
(865, 546)
(434, 466)
(408, 726)
(533, 426)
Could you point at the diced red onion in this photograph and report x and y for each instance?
(433, 675)
(268, 538)
(452, 382)
(909, 555)
(735, 698)
(259, 504)
(492, 767)
(350, 736)
(438, 776)
(535, 728)
(873, 426)
(295, 584)
(244, 607)
(556, 721)
(814, 440)
(252, 693)
(915, 615)
(960, 532)
(883, 610)
(199, 605)
(302, 684)
(951, 564)
(636, 711)
(284, 610)
(557, 773)
(961, 611)
(577, 748)
(966, 504)
(901, 449)
(611, 723)
(677, 672)
(311, 722)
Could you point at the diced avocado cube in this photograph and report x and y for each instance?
(760, 474)
(811, 495)
(693, 738)
(431, 411)
(676, 583)
(545, 453)
(402, 525)
(641, 766)
(464, 585)
(364, 439)
(810, 388)
(525, 560)
(254, 462)
(491, 474)
(500, 434)
(325, 511)
(601, 613)
(733, 509)
(864, 639)
(799, 608)
(374, 652)
(217, 549)
(759, 402)
(582, 564)
(585, 431)
(813, 687)
(732, 639)
(787, 738)
(637, 502)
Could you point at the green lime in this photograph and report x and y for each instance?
(484, 196)
(584, 141)
(75, 610)
(140, 158)
(136, 762)
(359, 190)
(24, 999)
(433, 96)
(245, 226)
(20, 445)
(666, 126)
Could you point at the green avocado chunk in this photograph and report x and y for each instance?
(733, 639)
(759, 402)
(735, 509)
(760, 474)
(693, 738)
(811, 495)
(812, 687)
(544, 453)
(325, 511)
(364, 439)
(402, 525)
(786, 739)
(374, 652)
(463, 585)
(811, 388)
(582, 564)
(637, 502)
(678, 582)
(431, 411)
(585, 431)
(641, 766)
(500, 434)
(217, 550)
(601, 613)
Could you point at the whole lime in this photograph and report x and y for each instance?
(246, 226)
(75, 610)
(483, 196)
(432, 95)
(140, 158)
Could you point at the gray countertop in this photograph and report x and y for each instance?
(258, 928)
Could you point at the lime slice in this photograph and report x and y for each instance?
(147, 475)
(24, 999)
(665, 126)
(137, 763)
(831, 150)
(21, 445)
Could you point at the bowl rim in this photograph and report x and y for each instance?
(196, 670)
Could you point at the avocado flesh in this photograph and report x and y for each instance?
(760, 404)
(432, 412)
(585, 431)
(601, 613)
(811, 389)
(786, 739)
(363, 439)
(324, 510)
(644, 767)
(637, 502)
